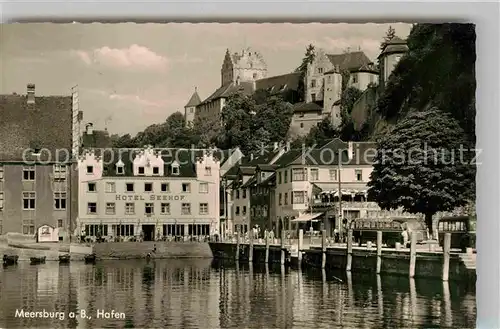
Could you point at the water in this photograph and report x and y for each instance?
(198, 294)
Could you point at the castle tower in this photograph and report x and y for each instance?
(332, 95)
(389, 57)
(190, 108)
(245, 66)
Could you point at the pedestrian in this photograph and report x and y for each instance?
(404, 234)
(336, 235)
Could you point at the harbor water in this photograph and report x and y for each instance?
(205, 294)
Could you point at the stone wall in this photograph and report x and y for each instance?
(135, 250)
(228, 251)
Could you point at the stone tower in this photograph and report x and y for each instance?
(190, 108)
(245, 66)
(389, 57)
(332, 94)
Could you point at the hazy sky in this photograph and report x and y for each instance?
(133, 75)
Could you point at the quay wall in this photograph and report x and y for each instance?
(222, 250)
(164, 249)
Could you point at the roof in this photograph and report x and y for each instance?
(98, 139)
(233, 171)
(349, 61)
(194, 100)
(250, 182)
(246, 171)
(369, 68)
(230, 89)
(185, 157)
(279, 83)
(307, 107)
(270, 181)
(265, 156)
(46, 125)
(266, 167)
(394, 46)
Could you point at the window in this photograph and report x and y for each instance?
(320, 70)
(28, 173)
(313, 83)
(60, 200)
(237, 212)
(129, 208)
(59, 172)
(286, 198)
(148, 187)
(186, 209)
(244, 210)
(1, 173)
(359, 175)
(165, 187)
(110, 208)
(124, 230)
(244, 196)
(110, 187)
(254, 75)
(299, 174)
(28, 229)
(301, 125)
(91, 187)
(298, 197)
(140, 170)
(175, 169)
(186, 187)
(165, 208)
(279, 177)
(156, 170)
(203, 208)
(91, 208)
(1, 201)
(90, 170)
(149, 208)
(280, 200)
(329, 79)
(333, 174)
(129, 187)
(59, 223)
(203, 188)
(28, 200)
(119, 170)
(286, 176)
(313, 97)
(96, 229)
(314, 175)
(237, 194)
(208, 171)
(354, 78)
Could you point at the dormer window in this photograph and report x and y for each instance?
(119, 167)
(156, 170)
(141, 170)
(175, 168)
(119, 170)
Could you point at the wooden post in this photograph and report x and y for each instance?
(446, 256)
(282, 261)
(413, 253)
(323, 249)
(299, 247)
(267, 249)
(379, 251)
(237, 256)
(349, 249)
(250, 248)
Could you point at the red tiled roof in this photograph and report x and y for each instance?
(279, 83)
(47, 124)
(349, 61)
(230, 89)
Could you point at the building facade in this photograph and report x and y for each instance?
(148, 193)
(190, 108)
(39, 135)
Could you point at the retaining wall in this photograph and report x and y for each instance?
(228, 251)
(136, 250)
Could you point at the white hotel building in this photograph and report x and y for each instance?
(148, 192)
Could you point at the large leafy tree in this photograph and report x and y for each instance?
(437, 71)
(419, 166)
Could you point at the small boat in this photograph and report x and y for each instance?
(90, 258)
(37, 260)
(10, 260)
(63, 259)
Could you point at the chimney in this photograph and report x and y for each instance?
(31, 93)
(89, 129)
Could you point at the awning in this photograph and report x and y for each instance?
(306, 217)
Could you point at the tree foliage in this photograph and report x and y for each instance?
(419, 167)
(389, 35)
(309, 57)
(437, 71)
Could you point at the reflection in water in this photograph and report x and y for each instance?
(198, 294)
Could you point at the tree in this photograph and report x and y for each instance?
(125, 141)
(437, 71)
(309, 57)
(275, 117)
(389, 35)
(322, 133)
(419, 166)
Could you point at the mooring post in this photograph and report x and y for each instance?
(379, 251)
(413, 253)
(299, 247)
(349, 249)
(250, 248)
(323, 249)
(282, 261)
(446, 256)
(237, 256)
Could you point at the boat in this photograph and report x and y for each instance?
(10, 259)
(63, 259)
(90, 258)
(37, 260)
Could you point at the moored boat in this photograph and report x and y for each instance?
(90, 258)
(10, 259)
(37, 260)
(63, 259)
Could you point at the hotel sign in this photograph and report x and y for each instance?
(152, 197)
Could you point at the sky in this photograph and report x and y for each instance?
(130, 75)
